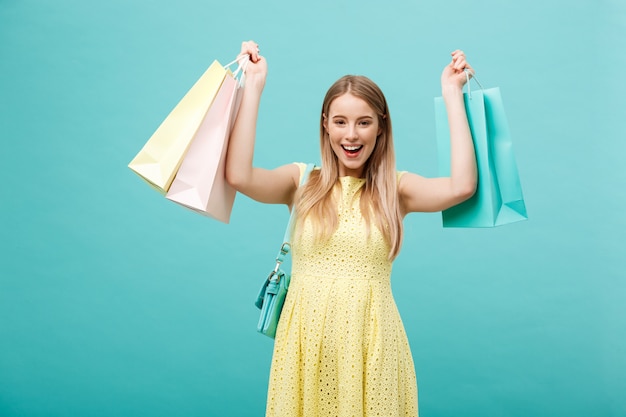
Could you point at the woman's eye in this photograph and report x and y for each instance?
(365, 123)
(339, 122)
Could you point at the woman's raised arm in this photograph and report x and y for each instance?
(267, 186)
(435, 194)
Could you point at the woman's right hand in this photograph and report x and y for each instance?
(256, 68)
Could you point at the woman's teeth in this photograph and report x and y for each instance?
(352, 148)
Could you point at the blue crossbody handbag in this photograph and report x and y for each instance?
(274, 290)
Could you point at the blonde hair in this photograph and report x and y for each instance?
(379, 195)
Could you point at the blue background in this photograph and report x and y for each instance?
(115, 301)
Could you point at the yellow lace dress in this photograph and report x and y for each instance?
(340, 348)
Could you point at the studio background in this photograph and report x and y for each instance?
(117, 302)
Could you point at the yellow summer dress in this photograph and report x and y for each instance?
(340, 348)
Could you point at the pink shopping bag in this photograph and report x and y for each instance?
(200, 182)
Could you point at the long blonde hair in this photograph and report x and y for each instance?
(379, 195)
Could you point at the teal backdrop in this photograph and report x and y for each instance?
(117, 302)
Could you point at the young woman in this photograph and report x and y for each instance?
(340, 348)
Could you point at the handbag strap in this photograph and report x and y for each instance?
(286, 246)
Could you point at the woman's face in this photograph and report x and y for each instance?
(353, 128)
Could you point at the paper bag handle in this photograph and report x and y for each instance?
(469, 88)
(242, 61)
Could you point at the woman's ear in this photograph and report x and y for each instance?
(325, 122)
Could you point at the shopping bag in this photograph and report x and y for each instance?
(498, 199)
(200, 183)
(159, 159)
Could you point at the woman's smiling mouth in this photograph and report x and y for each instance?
(352, 150)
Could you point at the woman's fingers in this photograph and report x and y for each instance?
(454, 73)
(251, 48)
(459, 61)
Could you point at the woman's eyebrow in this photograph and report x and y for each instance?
(345, 117)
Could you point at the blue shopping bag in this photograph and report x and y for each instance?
(498, 199)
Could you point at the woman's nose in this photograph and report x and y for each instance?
(352, 133)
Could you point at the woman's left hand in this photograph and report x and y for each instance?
(453, 74)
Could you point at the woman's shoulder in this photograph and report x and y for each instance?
(303, 168)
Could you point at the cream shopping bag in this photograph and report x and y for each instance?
(158, 161)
